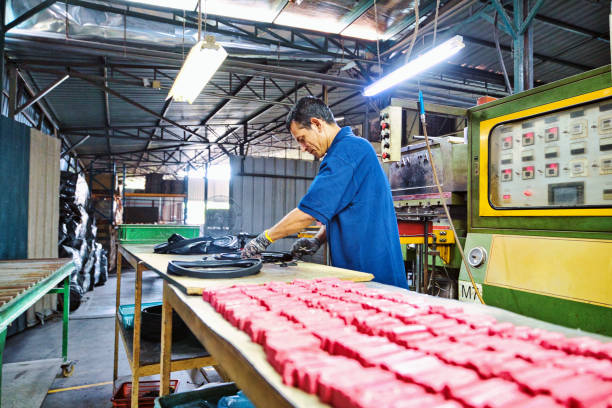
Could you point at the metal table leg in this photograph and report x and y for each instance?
(67, 366)
(2, 342)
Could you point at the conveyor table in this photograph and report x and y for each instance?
(23, 283)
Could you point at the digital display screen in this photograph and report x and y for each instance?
(566, 194)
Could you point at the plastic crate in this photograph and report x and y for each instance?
(211, 393)
(148, 391)
(127, 313)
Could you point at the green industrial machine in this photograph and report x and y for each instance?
(539, 236)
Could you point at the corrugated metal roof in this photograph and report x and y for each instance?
(568, 38)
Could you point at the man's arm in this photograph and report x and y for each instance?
(322, 234)
(292, 223)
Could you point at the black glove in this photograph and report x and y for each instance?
(305, 246)
(256, 246)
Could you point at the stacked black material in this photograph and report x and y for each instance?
(178, 244)
(77, 240)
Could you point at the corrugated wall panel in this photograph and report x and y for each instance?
(43, 208)
(14, 159)
(268, 190)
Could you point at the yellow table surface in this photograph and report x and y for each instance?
(269, 272)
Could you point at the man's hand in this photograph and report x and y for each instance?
(256, 246)
(305, 246)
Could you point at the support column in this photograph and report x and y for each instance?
(518, 43)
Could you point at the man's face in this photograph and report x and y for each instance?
(311, 139)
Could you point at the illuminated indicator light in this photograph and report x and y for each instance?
(507, 171)
(528, 193)
(506, 196)
(529, 168)
(553, 166)
(508, 139)
(528, 135)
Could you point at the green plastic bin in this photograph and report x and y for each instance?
(154, 233)
(205, 397)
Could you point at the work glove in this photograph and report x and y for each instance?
(305, 246)
(256, 246)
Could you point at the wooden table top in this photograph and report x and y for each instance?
(268, 273)
(244, 360)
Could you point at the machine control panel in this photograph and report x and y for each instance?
(391, 126)
(561, 159)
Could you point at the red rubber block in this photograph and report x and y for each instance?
(491, 393)
(329, 336)
(342, 374)
(446, 379)
(509, 368)
(580, 364)
(539, 401)
(387, 361)
(369, 356)
(430, 401)
(459, 331)
(410, 340)
(581, 391)
(385, 394)
(540, 380)
(583, 346)
(282, 342)
(549, 339)
(541, 355)
(344, 389)
(408, 370)
(504, 329)
(458, 355)
(308, 373)
(475, 320)
(485, 362)
(352, 346)
(393, 332)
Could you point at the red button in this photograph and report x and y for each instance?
(528, 193)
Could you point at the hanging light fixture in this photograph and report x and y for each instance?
(417, 65)
(203, 60)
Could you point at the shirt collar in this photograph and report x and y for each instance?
(342, 133)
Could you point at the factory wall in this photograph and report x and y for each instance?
(263, 190)
(29, 204)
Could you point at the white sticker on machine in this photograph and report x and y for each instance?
(467, 292)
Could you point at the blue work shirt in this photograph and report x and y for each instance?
(352, 198)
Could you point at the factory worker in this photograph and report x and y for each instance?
(350, 196)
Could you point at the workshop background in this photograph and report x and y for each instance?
(96, 156)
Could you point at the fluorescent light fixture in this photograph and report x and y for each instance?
(417, 65)
(201, 63)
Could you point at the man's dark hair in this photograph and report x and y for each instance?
(306, 108)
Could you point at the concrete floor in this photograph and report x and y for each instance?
(91, 340)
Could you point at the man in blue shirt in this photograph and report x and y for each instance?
(350, 196)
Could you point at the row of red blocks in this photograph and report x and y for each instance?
(354, 346)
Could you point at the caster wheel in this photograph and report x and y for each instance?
(68, 369)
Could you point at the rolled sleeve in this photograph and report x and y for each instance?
(330, 191)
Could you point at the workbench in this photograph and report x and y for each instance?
(142, 258)
(23, 283)
(245, 361)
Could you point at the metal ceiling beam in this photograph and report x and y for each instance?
(562, 25)
(41, 94)
(214, 25)
(31, 88)
(548, 58)
(225, 101)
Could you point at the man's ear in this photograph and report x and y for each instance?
(316, 123)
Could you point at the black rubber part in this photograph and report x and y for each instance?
(266, 256)
(151, 322)
(201, 269)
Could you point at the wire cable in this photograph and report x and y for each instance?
(416, 29)
(450, 220)
(436, 22)
(499, 54)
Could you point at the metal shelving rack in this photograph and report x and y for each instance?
(144, 357)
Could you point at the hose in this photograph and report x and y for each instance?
(450, 220)
(211, 269)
